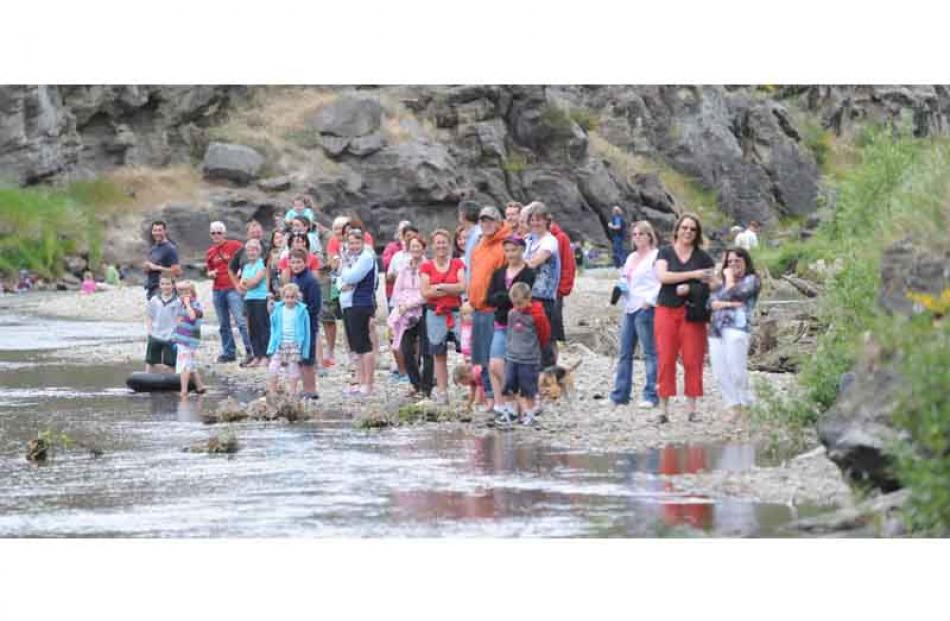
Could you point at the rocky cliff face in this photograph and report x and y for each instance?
(51, 132)
(394, 152)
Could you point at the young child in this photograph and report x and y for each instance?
(465, 330)
(289, 337)
(528, 333)
(161, 316)
(470, 376)
(187, 336)
(88, 283)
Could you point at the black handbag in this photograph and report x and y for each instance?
(697, 303)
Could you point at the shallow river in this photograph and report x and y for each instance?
(315, 479)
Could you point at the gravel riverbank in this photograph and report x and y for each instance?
(585, 422)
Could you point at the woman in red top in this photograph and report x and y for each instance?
(302, 241)
(442, 286)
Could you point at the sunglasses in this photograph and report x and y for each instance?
(217, 232)
(688, 228)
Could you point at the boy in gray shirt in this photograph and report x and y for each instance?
(160, 320)
(528, 333)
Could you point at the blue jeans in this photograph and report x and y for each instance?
(637, 327)
(617, 244)
(228, 303)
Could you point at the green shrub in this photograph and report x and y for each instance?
(923, 464)
(585, 117)
(40, 226)
(555, 123)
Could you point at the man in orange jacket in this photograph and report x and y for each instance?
(565, 284)
(487, 256)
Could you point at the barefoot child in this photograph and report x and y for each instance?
(187, 336)
(289, 336)
(161, 315)
(528, 333)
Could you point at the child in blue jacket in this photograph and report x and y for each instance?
(289, 337)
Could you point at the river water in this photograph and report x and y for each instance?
(321, 478)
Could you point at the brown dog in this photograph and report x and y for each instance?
(556, 381)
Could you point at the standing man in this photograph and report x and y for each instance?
(513, 215)
(227, 301)
(565, 283)
(617, 227)
(487, 256)
(162, 259)
(468, 220)
(749, 238)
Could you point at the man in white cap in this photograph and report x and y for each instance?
(227, 301)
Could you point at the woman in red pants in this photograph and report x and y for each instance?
(684, 271)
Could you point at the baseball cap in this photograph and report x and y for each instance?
(489, 212)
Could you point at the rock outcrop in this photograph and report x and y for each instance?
(859, 429)
(50, 132)
(395, 152)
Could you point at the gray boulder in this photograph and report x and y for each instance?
(858, 429)
(365, 145)
(275, 184)
(231, 161)
(348, 116)
(908, 267)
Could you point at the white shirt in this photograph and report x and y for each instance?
(747, 239)
(642, 280)
(290, 324)
(399, 260)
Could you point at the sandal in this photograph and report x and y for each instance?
(201, 390)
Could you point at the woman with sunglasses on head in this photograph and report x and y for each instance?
(640, 287)
(732, 306)
(684, 270)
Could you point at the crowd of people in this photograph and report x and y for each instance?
(493, 291)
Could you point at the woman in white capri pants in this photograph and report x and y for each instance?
(731, 327)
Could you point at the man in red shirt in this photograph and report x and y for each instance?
(566, 283)
(227, 301)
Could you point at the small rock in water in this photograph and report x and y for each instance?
(226, 443)
(37, 450)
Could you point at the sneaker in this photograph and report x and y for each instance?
(440, 399)
(309, 395)
(505, 417)
(528, 418)
(394, 376)
(646, 405)
(694, 417)
(403, 379)
(321, 372)
(351, 390)
(247, 361)
(660, 419)
(223, 359)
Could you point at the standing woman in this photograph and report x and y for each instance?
(515, 270)
(543, 256)
(407, 318)
(732, 308)
(253, 285)
(443, 281)
(684, 271)
(278, 250)
(640, 288)
(357, 298)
